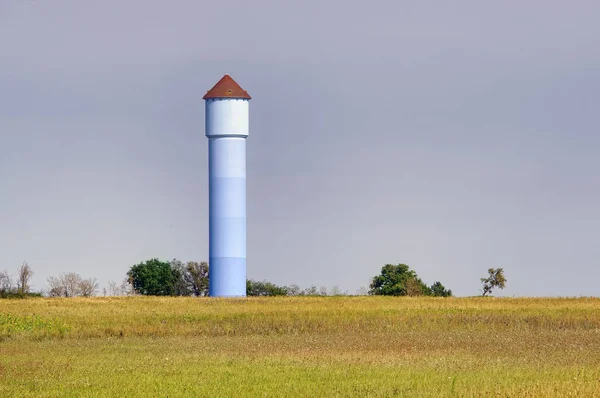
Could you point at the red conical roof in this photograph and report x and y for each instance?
(226, 88)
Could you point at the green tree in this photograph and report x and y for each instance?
(264, 288)
(153, 278)
(197, 277)
(398, 280)
(438, 290)
(495, 279)
(310, 291)
(182, 285)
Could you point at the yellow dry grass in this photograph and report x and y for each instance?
(300, 346)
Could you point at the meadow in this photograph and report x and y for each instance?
(300, 346)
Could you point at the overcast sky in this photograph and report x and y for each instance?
(451, 136)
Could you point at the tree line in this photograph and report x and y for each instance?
(160, 278)
(176, 278)
(10, 288)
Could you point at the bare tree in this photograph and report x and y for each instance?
(336, 291)
(112, 289)
(293, 290)
(362, 291)
(55, 287)
(24, 275)
(88, 287)
(126, 288)
(6, 284)
(71, 284)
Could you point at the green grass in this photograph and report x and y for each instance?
(33, 325)
(320, 346)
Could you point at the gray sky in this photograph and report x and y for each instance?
(451, 136)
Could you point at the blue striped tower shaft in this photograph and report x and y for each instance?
(227, 129)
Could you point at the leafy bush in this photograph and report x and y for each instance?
(400, 280)
(154, 278)
(264, 288)
(438, 290)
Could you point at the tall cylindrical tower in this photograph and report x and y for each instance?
(227, 113)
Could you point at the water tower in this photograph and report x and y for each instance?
(227, 121)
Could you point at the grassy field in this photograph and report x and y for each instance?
(321, 346)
